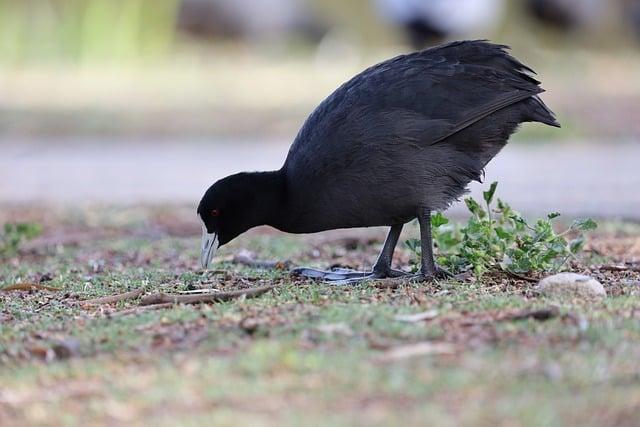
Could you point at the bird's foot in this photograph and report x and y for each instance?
(343, 276)
(438, 273)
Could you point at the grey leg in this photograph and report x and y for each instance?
(382, 268)
(428, 270)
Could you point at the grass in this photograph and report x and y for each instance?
(304, 353)
(81, 31)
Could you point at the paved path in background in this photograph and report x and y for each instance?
(576, 179)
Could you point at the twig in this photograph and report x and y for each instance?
(162, 298)
(634, 268)
(114, 298)
(28, 287)
(521, 277)
(140, 309)
(198, 291)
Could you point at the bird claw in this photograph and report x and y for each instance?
(343, 276)
(439, 274)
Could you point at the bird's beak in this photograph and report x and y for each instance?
(209, 247)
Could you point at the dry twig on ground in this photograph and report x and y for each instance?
(634, 268)
(28, 287)
(162, 298)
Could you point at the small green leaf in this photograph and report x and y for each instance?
(553, 215)
(576, 245)
(584, 224)
(502, 233)
(438, 219)
(413, 245)
(474, 207)
(488, 195)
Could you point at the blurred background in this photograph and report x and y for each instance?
(126, 102)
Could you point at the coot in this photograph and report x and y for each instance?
(396, 142)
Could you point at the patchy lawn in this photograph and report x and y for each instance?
(489, 352)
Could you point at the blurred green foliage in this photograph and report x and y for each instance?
(85, 30)
(13, 235)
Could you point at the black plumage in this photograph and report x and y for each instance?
(397, 141)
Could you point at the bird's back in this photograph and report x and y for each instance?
(413, 130)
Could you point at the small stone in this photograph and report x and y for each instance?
(571, 285)
(417, 317)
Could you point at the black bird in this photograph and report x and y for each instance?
(396, 142)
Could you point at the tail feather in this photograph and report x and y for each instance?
(539, 112)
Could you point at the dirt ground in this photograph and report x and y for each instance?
(471, 352)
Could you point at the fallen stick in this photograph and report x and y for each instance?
(634, 268)
(28, 287)
(162, 298)
(199, 291)
(521, 277)
(114, 298)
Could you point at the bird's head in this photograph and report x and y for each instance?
(233, 205)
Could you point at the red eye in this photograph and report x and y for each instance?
(215, 212)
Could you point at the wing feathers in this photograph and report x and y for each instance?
(476, 114)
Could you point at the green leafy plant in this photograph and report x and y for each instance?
(500, 238)
(14, 235)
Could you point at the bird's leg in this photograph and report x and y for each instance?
(382, 268)
(428, 270)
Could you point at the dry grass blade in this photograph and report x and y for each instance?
(414, 350)
(162, 298)
(199, 291)
(114, 298)
(29, 287)
(634, 268)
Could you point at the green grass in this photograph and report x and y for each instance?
(81, 31)
(304, 353)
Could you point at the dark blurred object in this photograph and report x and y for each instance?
(248, 19)
(631, 9)
(564, 15)
(422, 33)
(429, 22)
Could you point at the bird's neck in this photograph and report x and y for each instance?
(268, 195)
